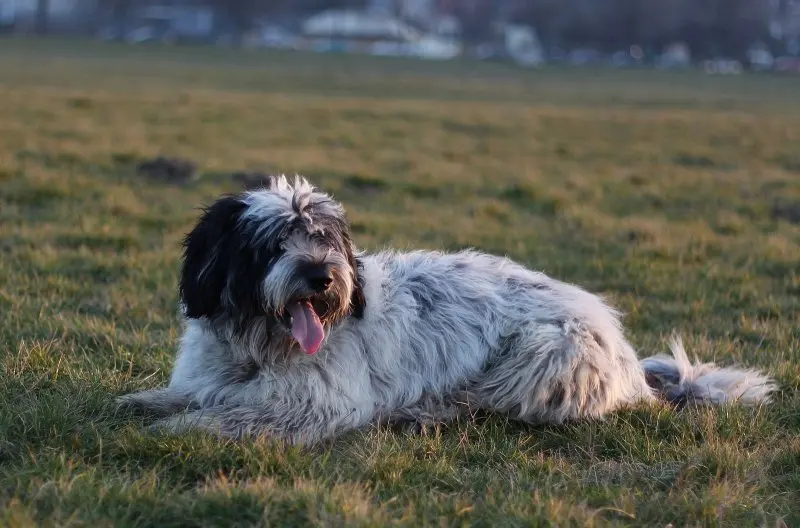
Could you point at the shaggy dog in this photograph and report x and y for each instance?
(292, 333)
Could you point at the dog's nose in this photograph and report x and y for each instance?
(319, 278)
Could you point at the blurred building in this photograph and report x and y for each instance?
(785, 23)
(46, 15)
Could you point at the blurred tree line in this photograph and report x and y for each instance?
(234, 16)
(708, 27)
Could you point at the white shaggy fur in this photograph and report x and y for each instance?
(439, 333)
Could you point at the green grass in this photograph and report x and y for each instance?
(676, 195)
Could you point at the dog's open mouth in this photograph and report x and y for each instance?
(301, 317)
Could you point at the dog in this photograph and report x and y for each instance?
(293, 334)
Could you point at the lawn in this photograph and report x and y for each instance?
(676, 195)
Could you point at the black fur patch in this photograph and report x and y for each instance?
(219, 256)
(557, 395)
(358, 302)
(424, 293)
(516, 284)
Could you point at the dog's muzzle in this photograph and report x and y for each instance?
(318, 277)
(302, 314)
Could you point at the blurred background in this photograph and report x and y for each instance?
(719, 36)
(646, 150)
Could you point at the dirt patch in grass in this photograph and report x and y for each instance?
(172, 170)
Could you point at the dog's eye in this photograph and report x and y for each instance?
(318, 236)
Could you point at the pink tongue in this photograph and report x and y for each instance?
(306, 326)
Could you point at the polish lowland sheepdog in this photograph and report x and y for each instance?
(292, 333)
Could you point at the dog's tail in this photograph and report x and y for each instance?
(678, 381)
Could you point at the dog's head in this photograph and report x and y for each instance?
(282, 253)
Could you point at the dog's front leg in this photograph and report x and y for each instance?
(296, 422)
(303, 403)
(300, 406)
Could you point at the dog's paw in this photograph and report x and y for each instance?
(183, 423)
(173, 425)
(158, 402)
(129, 401)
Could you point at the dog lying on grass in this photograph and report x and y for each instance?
(294, 334)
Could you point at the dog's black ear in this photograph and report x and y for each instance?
(358, 302)
(338, 228)
(208, 250)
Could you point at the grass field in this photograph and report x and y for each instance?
(676, 195)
